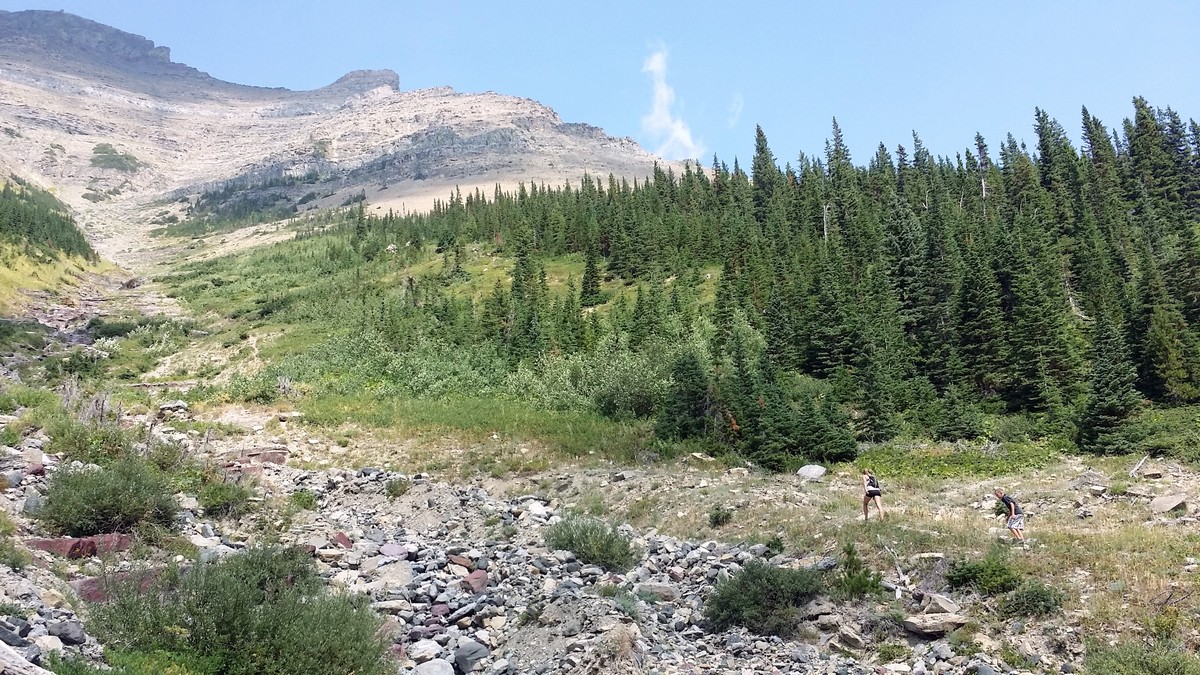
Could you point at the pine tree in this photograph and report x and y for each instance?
(590, 292)
(1112, 399)
(688, 410)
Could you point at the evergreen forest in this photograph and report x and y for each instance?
(778, 314)
(36, 222)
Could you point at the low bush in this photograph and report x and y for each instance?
(854, 579)
(397, 487)
(719, 516)
(224, 499)
(1032, 598)
(262, 611)
(1141, 658)
(304, 499)
(83, 502)
(991, 575)
(593, 541)
(89, 443)
(762, 598)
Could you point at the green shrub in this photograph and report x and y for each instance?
(304, 499)
(1163, 657)
(593, 541)
(83, 502)
(16, 558)
(762, 598)
(89, 443)
(224, 499)
(262, 611)
(719, 516)
(854, 579)
(890, 652)
(1032, 598)
(991, 575)
(397, 487)
(136, 663)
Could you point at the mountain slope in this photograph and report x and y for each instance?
(111, 122)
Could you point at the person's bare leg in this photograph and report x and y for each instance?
(879, 505)
(866, 514)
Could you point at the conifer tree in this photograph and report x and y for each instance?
(1112, 398)
(687, 412)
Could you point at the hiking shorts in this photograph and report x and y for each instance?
(874, 492)
(1016, 522)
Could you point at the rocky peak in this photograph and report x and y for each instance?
(362, 81)
(68, 35)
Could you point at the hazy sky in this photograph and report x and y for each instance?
(689, 79)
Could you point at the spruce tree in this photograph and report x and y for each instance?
(1112, 398)
(687, 412)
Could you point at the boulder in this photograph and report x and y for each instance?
(70, 632)
(1168, 503)
(662, 592)
(939, 604)
(934, 625)
(811, 472)
(424, 650)
(435, 667)
(476, 581)
(469, 653)
(850, 638)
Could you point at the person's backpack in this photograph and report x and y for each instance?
(873, 482)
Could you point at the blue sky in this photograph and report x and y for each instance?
(693, 78)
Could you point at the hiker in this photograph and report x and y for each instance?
(1016, 517)
(871, 492)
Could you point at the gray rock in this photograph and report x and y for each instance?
(11, 639)
(1168, 503)
(934, 625)
(173, 406)
(662, 592)
(70, 632)
(468, 654)
(811, 472)
(435, 667)
(935, 604)
(982, 669)
(850, 638)
(424, 650)
(33, 504)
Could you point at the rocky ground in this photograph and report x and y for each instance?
(462, 574)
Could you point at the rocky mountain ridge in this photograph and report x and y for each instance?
(120, 131)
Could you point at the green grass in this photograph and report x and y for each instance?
(945, 461)
(573, 433)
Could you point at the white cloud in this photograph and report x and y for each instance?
(735, 109)
(661, 124)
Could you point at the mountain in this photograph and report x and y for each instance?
(125, 135)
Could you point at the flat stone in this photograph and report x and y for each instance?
(393, 551)
(662, 592)
(1168, 503)
(476, 581)
(934, 625)
(435, 667)
(424, 650)
(939, 604)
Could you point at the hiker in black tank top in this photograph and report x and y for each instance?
(871, 493)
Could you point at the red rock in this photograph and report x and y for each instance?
(476, 581)
(112, 542)
(439, 610)
(459, 560)
(36, 469)
(61, 547)
(96, 589)
(343, 540)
